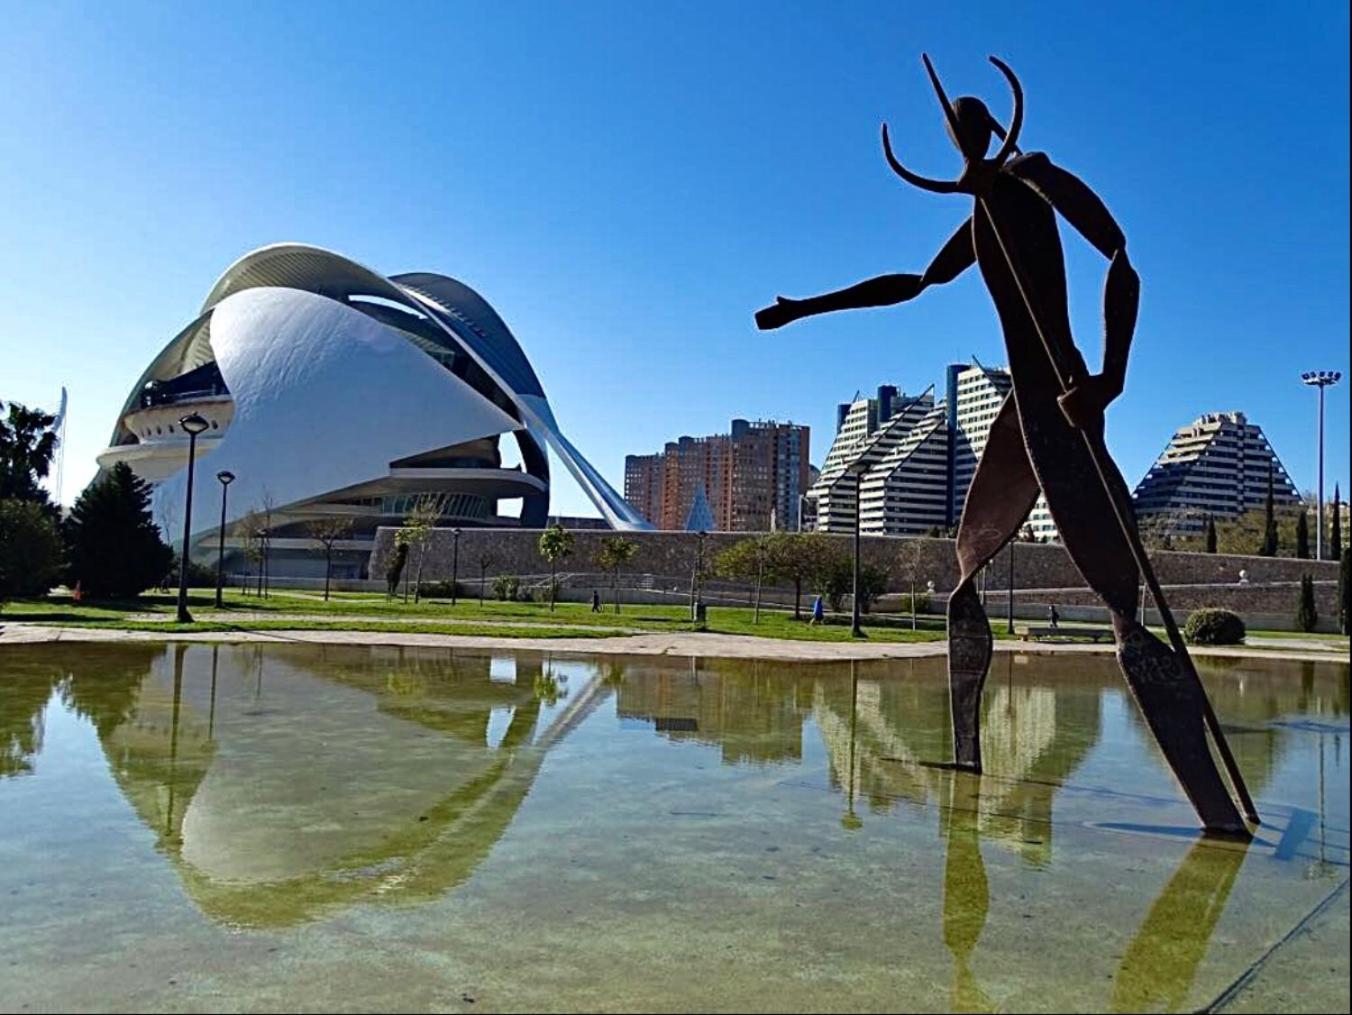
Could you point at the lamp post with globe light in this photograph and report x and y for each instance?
(192, 425)
(225, 477)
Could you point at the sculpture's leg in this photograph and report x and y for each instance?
(1002, 493)
(1170, 697)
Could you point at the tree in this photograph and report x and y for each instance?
(556, 544)
(1335, 550)
(872, 585)
(487, 558)
(250, 531)
(327, 532)
(394, 567)
(748, 560)
(1303, 536)
(1306, 615)
(269, 504)
(909, 560)
(615, 553)
(113, 545)
(30, 549)
(417, 532)
(1344, 589)
(27, 443)
(1268, 548)
(799, 557)
(832, 580)
(1210, 535)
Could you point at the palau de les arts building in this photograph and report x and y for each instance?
(331, 390)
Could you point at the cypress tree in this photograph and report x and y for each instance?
(1211, 535)
(1344, 589)
(1306, 615)
(1302, 535)
(113, 546)
(1335, 550)
(1269, 546)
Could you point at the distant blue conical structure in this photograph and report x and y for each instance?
(701, 517)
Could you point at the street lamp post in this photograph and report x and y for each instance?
(697, 580)
(192, 425)
(226, 478)
(855, 630)
(1009, 592)
(1320, 379)
(455, 563)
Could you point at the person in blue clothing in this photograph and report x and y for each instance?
(818, 611)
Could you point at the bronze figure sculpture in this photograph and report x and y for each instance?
(1048, 436)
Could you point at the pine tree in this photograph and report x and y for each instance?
(1302, 535)
(1211, 535)
(112, 543)
(1335, 551)
(1269, 546)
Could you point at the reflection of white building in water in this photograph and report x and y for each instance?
(331, 390)
(283, 784)
(912, 458)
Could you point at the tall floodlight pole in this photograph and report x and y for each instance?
(225, 478)
(1320, 379)
(192, 425)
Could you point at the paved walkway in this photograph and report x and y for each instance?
(685, 643)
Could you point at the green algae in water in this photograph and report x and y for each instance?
(302, 827)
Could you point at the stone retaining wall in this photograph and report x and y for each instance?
(1271, 587)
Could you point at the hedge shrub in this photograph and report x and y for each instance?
(1214, 627)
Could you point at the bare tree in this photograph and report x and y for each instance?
(268, 506)
(250, 529)
(909, 560)
(487, 558)
(417, 531)
(328, 531)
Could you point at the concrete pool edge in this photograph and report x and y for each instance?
(688, 643)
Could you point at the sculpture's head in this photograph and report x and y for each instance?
(970, 126)
(974, 125)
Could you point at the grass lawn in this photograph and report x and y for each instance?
(366, 611)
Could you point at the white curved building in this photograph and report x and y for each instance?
(330, 389)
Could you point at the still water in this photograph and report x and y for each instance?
(297, 827)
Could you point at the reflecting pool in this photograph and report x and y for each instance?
(283, 827)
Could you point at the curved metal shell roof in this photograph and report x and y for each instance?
(470, 325)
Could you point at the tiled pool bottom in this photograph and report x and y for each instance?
(296, 827)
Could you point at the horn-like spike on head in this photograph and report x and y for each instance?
(924, 183)
(1011, 139)
(949, 114)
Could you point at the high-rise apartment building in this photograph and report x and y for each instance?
(1218, 466)
(912, 458)
(749, 480)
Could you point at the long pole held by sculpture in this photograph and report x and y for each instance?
(1123, 516)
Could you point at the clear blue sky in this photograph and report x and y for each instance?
(627, 183)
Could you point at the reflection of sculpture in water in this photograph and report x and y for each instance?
(869, 727)
(966, 893)
(1048, 437)
(1159, 965)
(393, 786)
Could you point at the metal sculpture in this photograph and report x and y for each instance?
(1048, 436)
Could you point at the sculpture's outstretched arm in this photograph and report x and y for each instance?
(1083, 209)
(956, 256)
